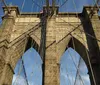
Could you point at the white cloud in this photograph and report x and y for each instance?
(18, 80)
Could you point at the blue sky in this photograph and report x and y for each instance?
(68, 63)
(67, 6)
(32, 61)
(29, 6)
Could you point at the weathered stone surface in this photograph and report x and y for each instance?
(62, 31)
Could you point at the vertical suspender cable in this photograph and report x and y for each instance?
(87, 53)
(53, 5)
(23, 5)
(75, 63)
(43, 39)
(89, 62)
(77, 72)
(6, 6)
(47, 6)
(23, 51)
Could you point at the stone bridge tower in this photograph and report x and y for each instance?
(52, 36)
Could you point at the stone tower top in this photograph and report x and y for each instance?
(14, 11)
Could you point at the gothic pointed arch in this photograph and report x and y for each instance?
(29, 59)
(83, 51)
(73, 69)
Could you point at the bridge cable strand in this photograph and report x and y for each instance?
(67, 73)
(87, 52)
(70, 33)
(39, 24)
(23, 5)
(68, 76)
(22, 66)
(20, 70)
(36, 4)
(81, 24)
(33, 42)
(76, 11)
(75, 58)
(67, 47)
(76, 65)
(31, 45)
(23, 63)
(42, 2)
(23, 52)
(88, 58)
(5, 5)
(63, 3)
(96, 4)
(58, 2)
(89, 61)
(81, 30)
(85, 41)
(74, 62)
(77, 73)
(72, 38)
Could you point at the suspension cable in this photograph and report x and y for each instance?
(19, 71)
(5, 6)
(23, 5)
(72, 37)
(67, 76)
(76, 67)
(87, 55)
(22, 65)
(74, 61)
(81, 24)
(96, 3)
(82, 30)
(89, 62)
(58, 2)
(75, 64)
(36, 4)
(77, 16)
(24, 70)
(63, 3)
(77, 72)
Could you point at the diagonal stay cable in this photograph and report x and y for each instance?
(77, 72)
(64, 36)
(69, 33)
(67, 75)
(22, 66)
(36, 4)
(86, 50)
(63, 3)
(89, 61)
(90, 35)
(75, 66)
(82, 30)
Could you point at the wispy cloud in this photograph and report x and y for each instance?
(18, 80)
